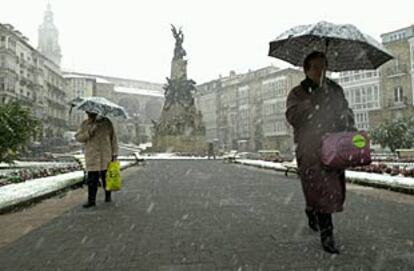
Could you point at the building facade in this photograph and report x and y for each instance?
(363, 93)
(247, 111)
(386, 93)
(275, 89)
(396, 80)
(78, 86)
(411, 43)
(142, 100)
(31, 78)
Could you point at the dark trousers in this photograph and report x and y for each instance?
(93, 182)
(211, 154)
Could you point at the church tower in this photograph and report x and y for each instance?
(48, 43)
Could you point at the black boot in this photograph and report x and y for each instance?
(327, 238)
(312, 219)
(89, 204)
(108, 196)
(92, 189)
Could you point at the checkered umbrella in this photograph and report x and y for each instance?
(99, 105)
(345, 46)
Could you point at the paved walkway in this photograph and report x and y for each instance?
(206, 215)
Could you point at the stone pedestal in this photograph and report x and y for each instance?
(179, 69)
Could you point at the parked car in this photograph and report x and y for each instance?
(249, 155)
(230, 156)
(270, 155)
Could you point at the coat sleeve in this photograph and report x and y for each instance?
(82, 135)
(298, 111)
(114, 141)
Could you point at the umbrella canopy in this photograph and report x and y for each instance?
(345, 47)
(99, 105)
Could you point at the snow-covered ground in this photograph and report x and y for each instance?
(171, 156)
(14, 194)
(135, 148)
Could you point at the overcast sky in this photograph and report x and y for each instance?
(132, 39)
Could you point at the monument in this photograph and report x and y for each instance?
(180, 128)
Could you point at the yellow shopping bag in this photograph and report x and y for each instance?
(113, 176)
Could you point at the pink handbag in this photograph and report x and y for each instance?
(346, 149)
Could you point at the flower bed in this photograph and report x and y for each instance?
(18, 175)
(406, 170)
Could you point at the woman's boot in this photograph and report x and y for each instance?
(108, 196)
(327, 238)
(92, 189)
(312, 219)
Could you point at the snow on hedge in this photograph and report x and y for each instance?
(13, 194)
(361, 177)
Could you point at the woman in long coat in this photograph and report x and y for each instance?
(101, 147)
(315, 107)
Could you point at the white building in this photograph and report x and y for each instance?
(362, 90)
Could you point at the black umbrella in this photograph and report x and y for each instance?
(345, 47)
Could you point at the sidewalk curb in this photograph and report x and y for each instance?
(68, 181)
(359, 181)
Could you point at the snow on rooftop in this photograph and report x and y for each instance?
(139, 91)
(98, 79)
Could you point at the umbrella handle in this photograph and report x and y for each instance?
(326, 46)
(322, 79)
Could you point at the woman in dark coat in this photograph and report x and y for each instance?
(316, 107)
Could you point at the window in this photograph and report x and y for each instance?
(372, 97)
(363, 96)
(280, 107)
(398, 95)
(280, 127)
(3, 41)
(2, 83)
(412, 57)
(357, 96)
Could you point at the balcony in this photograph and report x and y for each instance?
(8, 68)
(396, 70)
(28, 101)
(31, 68)
(8, 51)
(392, 104)
(56, 104)
(55, 89)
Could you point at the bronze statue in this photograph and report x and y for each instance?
(179, 51)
